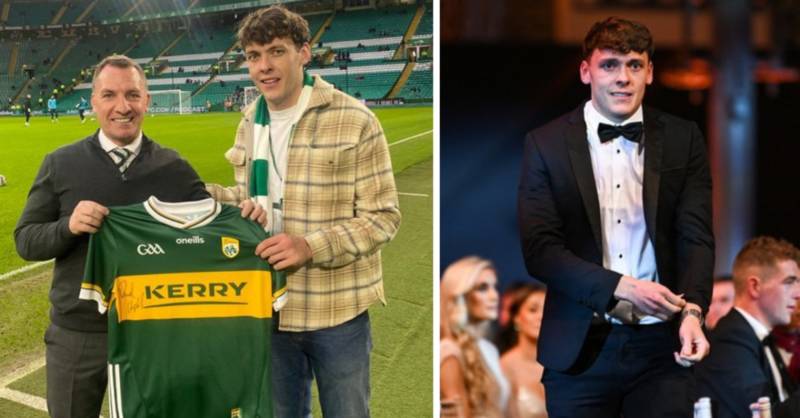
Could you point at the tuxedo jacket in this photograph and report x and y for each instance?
(560, 229)
(736, 372)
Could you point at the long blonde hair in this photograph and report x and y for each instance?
(458, 279)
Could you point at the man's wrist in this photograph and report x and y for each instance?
(692, 311)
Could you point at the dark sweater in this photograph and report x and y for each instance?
(83, 171)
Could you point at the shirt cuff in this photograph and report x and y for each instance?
(321, 251)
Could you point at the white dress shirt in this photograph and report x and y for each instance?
(762, 332)
(618, 167)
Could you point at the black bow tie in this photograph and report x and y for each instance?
(631, 132)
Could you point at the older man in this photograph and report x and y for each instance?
(117, 165)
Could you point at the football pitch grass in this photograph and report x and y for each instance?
(401, 371)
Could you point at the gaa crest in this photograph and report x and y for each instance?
(230, 247)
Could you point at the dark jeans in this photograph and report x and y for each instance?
(76, 372)
(337, 357)
(623, 370)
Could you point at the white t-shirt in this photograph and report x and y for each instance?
(280, 130)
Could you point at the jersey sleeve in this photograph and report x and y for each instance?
(99, 272)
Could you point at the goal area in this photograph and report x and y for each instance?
(170, 101)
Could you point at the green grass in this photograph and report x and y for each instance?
(201, 139)
(402, 333)
(13, 409)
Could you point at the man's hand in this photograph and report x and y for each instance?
(87, 217)
(254, 211)
(649, 298)
(284, 251)
(694, 345)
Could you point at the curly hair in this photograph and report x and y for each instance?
(457, 280)
(618, 35)
(265, 25)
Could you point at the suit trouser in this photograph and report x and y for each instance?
(76, 372)
(626, 370)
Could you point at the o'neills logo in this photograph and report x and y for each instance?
(193, 240)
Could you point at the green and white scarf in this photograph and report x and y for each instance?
(259, 170)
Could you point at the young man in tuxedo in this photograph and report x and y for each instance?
(614, 211)
(745, 363)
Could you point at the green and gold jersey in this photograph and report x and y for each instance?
(189, 310)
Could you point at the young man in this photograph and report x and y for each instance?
(615, 217)
(117, 165)
(318, 161)
(745, 364)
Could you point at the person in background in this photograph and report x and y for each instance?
(26, 107)
(721, 300)
(52, 107)
(82, 105)
(519, 361)
(787, 338)
(470, 375)
(503, 336)
(744, 364)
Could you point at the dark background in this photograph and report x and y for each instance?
(492, 93)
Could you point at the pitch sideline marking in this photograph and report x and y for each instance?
(29, 267)
(22, 371)
(23, 398)
(413, 194)
(406, 139)
(28, 400)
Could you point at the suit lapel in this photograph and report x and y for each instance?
(578, 148)
(755, 344)
(653, 142)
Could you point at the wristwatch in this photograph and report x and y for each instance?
(697, 313)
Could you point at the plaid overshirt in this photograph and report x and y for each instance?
(340, 195)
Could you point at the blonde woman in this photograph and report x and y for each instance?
(519, 362)
(470, 375)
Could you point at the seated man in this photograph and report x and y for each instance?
(743, 364)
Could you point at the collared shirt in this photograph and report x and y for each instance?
(134, 147)
(340, 195)
(618, 169)
(762, 332)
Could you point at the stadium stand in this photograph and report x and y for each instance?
(365, 51)
(366, 24)
(33, 13)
